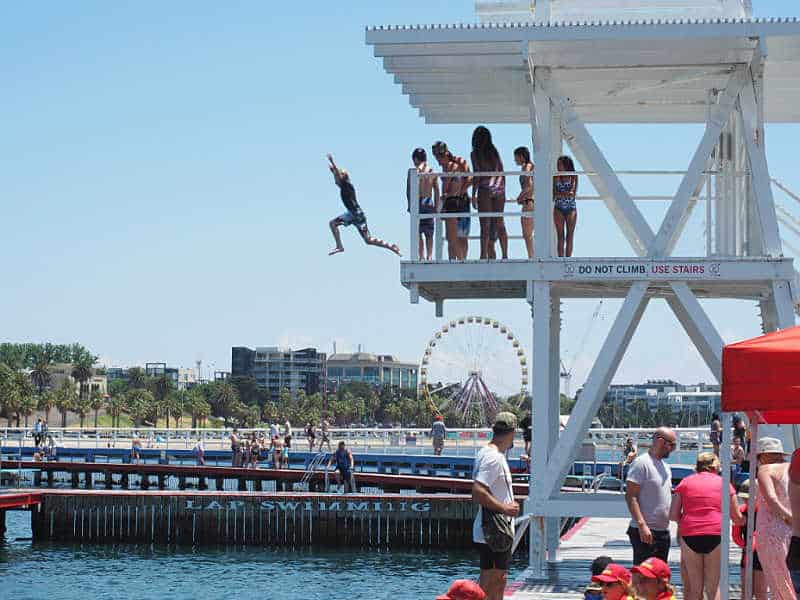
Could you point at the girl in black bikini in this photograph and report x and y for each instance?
(525, 199)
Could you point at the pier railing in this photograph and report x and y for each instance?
(407, 440)
(705, 193)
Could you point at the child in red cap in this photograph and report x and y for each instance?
(616, 582)
(653, 580)
(463, 589)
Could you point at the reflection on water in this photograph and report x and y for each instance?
(73, 571)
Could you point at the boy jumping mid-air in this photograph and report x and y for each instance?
(354, 215)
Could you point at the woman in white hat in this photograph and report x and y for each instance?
(773, 529)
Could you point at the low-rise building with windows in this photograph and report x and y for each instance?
(376, 369)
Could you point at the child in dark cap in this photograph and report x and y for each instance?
(594, 590)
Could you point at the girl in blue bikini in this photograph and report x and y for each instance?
(565, 212)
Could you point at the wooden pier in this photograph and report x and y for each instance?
(244, 518)
(590, 538)
(111, 475)
(16, 500)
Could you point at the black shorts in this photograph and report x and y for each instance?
(702, 544)
(493, 560)
(456, 204)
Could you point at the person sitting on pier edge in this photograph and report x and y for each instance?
(428, 201)
(353, 215)
(454, 190)
(652, 580)
(438, 433)
(463, 589)
(489, 193)
(615, 582)
(492, 490)
(565, 211)
(649, 495)
(344, 467)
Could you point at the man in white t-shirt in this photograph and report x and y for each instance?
(648, 493)
(492, 489)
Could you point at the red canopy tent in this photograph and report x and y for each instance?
(760, 377)
(763, 374)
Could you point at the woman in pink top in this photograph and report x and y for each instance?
(697, 508)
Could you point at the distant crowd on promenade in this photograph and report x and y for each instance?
(460, 194)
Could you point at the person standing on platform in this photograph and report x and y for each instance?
(324, 438)
(353, 215)
(438, 433)
(715, 433)
(565, 211)
(649, 495)
(454, 191)
(199, 453)
(793, 556)
(310, 436)
(489, 193)
(37, 432)
(429, 202)
(522, 157)
(492, 490)
(287, 434)
(236, 448)
(697, 508)
(344, 467)
(774, 526)
(526, 425)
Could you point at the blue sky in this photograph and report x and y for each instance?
(164, 194)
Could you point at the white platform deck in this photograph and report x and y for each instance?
(597, 537)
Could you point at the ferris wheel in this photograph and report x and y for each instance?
(470, 365)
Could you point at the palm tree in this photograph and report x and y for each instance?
(137, 379)
(47, 400)
(195, 401)
(27, 406)
(162, 388)
(82, 373)
(96, 401)
(201, 411)
(40, 370)
(139, 404)
(114, 405)
(66, 398)
(82, 407)
(9, 394)
(175, 406)
(25, 393)
(225, 399)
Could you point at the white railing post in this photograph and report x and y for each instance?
(413, 208)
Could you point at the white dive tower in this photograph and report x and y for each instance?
(558, 65)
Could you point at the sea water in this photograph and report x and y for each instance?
(60, 571)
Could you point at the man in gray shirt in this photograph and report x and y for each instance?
(649, 494)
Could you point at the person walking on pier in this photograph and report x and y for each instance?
(492, 490)
(454, 190)
(438, 433)
(353, 215)
(649, 495)
(774, 526)
(344, 467)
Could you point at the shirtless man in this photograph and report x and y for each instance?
(454, 190)
(353, 215)
(428, 202)
(277, 452)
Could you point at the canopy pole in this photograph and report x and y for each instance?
(725, 530)
(751, 508)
